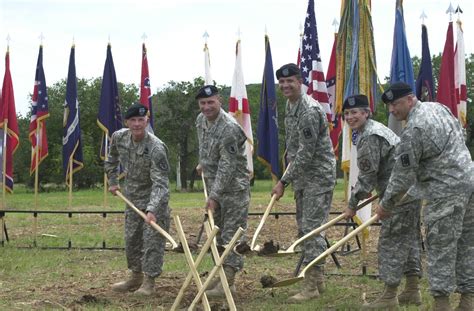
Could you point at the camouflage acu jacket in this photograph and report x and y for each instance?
(146, 169)
(375, 159)
(432, 154)
(221, 154)
(308, 146)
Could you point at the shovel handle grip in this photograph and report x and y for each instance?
(143, 215)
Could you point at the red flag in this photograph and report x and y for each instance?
(39, 113)
(145, 91)
(9, 123)
(336, 129)
(446, 91)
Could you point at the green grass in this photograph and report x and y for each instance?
(46, 279)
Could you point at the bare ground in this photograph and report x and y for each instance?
(92, 291)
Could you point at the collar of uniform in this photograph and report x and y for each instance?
(141, 144)
(413, 110)
(214, 125)
(367, 125)
(292, 108)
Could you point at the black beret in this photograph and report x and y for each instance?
(288, 70)
(136, 110)
(356, 101)
(207, 91)
(395, 91)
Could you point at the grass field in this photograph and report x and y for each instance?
(46, 277)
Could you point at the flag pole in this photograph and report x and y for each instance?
(104, 223)
(70, 200)
(37, 151)
(4, 168)
(4, 164)
(106, 155)
(38, 124)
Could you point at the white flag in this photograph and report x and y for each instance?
(460, 75)
(207, 67)
(349, 162)
(239, 106)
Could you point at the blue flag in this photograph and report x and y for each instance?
(72, 146)
(39, 113)
(424, 82)
(110, 116)
(267, 130)
(401, 66)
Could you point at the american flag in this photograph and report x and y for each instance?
(310, 62)
(39, 112)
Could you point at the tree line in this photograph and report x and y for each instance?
(175, 112)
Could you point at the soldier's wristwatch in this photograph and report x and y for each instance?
(284, 182)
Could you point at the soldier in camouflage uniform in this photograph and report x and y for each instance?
(433, 156)
(400, 239)
(144, 159)
(224, 165)
(312, 171)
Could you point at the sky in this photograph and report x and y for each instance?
(174, 36)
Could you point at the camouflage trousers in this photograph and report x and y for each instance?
(231, 214)
(312, 210)
(400, 244)
(450, 243)
(144, 246)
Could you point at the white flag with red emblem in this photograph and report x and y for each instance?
(239, 106)
(460, 75)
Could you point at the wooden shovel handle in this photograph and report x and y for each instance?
(143, 215)
(328, 224)
(330, 250)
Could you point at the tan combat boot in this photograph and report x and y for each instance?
(388, 300)
(147, 287)
(441, 303)
(466, 303)
(218, 290)
(320, 280)
(310, 287)
(134, 281)
(411, 294)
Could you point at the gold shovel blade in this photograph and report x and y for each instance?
(280, 254)
(287, 282)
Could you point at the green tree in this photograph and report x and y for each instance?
(51, 170)
(177, 110)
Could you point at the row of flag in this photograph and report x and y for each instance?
(352, 69)
(109, 117)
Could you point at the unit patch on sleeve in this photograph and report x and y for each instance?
(405, 159)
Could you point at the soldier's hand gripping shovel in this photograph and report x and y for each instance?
(291, 249)
(153, 224)
(300, 276)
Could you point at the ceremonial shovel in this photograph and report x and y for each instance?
(300, 277)
(254, 247)
(291, 249)
(143, 215)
